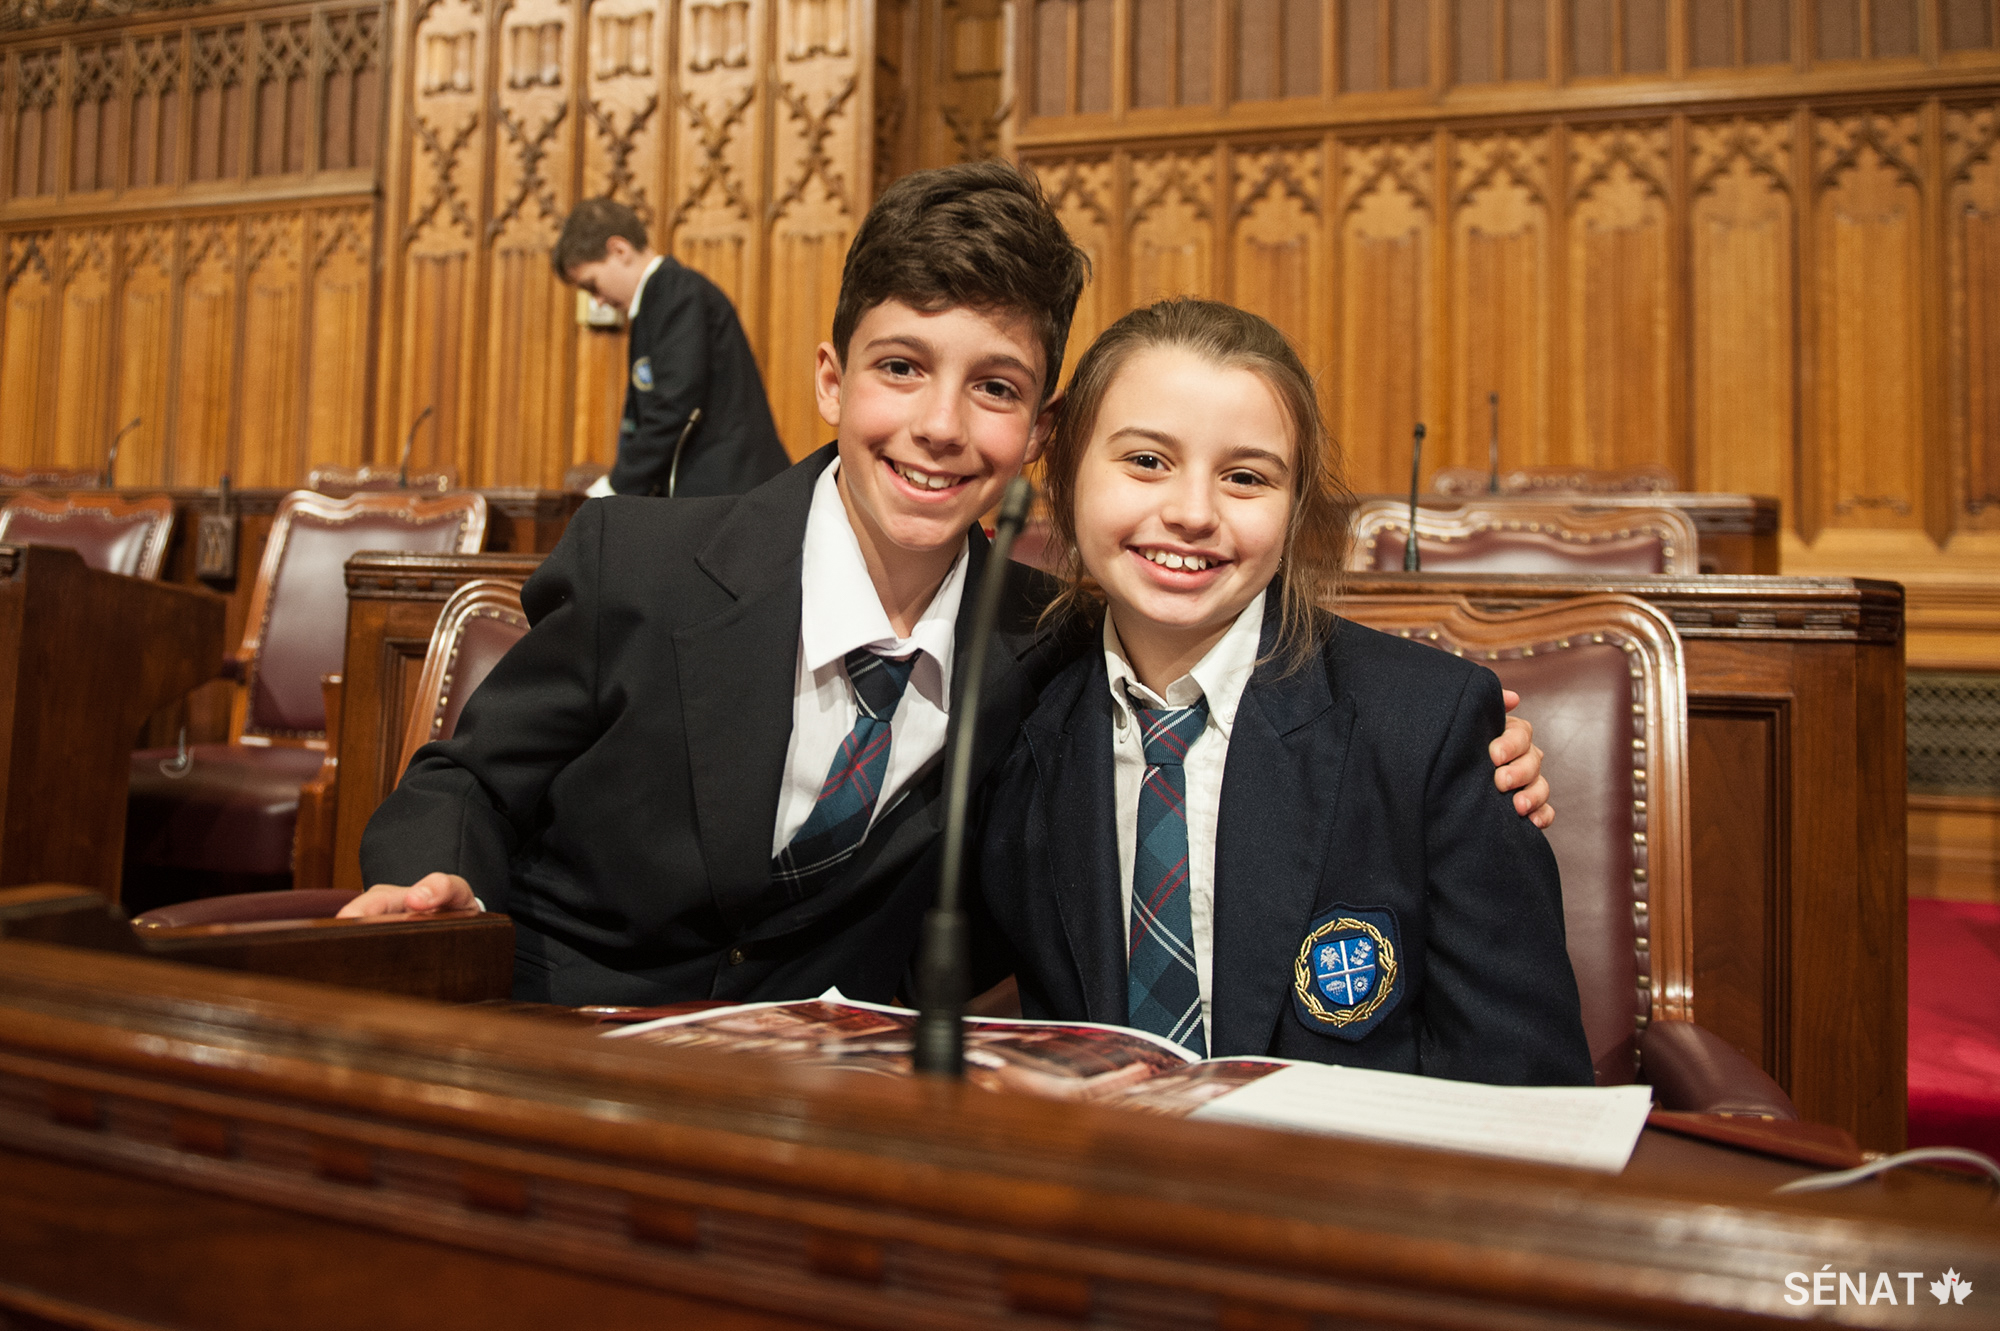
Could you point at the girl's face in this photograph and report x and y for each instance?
(1182, 500)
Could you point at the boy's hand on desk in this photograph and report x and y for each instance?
(431, 893)
(1520, 764)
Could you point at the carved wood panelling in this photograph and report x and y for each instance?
(1171, 226)
(1741, 367)
(1500, 296)
(1621, 320)
(1388, 300)
(1083, 193)
(1868, 307)
(1278, 252)
(1972, 284)
(237, 341)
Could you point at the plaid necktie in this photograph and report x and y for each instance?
(1163, 993)
(840, 816)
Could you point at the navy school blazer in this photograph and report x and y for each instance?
(1358, 807)
(687, 350)
(614, 782)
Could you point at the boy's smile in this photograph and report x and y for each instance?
(1183, 499)
(935, 413)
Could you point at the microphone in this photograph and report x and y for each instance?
(1411, 563)
(409, 442)
(1493, 445)
(943, 963)
(674, 468)
(111, 462)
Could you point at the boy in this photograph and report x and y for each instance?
(711, 769)
(687, 353)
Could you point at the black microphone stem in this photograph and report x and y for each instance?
(1411, 563)
(111, 463)
(944, 960)
(674, 470)
(1493, 444)
(409, 442)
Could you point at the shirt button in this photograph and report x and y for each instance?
(736, 957)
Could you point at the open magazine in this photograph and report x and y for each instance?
(1580, 1126)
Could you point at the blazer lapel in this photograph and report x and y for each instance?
(1281, 785)
(737, 670)
(1079, 836)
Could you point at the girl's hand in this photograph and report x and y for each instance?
(432, 893)
(1520, 764)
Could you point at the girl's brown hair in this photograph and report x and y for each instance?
(1316, 540)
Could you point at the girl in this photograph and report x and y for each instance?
(1245, 824)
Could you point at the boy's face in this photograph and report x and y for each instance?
(614, 279)
(935, 413)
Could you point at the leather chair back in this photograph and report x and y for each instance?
(328, 479)
(112, 533)
(474, 630)
(50, 479)
(1516, 536)
(297, 624)
(1471, 482)
(1603, 681)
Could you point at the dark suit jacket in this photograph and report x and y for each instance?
(695, 355)
(614, 782)
(1361, 782)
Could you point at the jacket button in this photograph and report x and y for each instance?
(736, 957)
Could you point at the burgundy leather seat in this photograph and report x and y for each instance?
(226, 822)
(1601, 678)
(474, 630)
(1525, 536)
(115, 534)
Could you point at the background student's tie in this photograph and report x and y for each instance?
(1163, 992)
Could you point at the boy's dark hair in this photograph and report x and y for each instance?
(588, 229)
(981, 235)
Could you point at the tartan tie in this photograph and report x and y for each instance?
(1163, 992)
(846, 802)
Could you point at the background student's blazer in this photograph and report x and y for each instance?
(614, 783)
(1357, 787)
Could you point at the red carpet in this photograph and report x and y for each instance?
(1955, 1025)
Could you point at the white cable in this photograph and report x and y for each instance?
(1921, 1155)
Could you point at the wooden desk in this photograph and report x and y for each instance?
(189, 1148)
(1795, 729)
(1738, 533)
(517, 520)
(85, 658)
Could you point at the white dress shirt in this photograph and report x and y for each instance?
(1220, 677)
(840, 611)
(601, 487)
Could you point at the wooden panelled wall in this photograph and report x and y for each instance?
(1755, 241)
(243, 228)
(187, 238)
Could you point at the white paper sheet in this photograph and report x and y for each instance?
(1584, 1127)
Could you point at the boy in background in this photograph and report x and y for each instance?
(687, 353)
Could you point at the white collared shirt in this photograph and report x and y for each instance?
(1220, 677)
(632, 311)
(839, 612)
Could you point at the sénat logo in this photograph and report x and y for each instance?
(1829, 1286)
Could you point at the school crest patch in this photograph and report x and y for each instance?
(642, 374)
(1348, 978)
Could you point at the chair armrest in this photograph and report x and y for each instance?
(312, 834)
(235, 667)
(1696, 1071)
(454, 956)
(244, 908)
